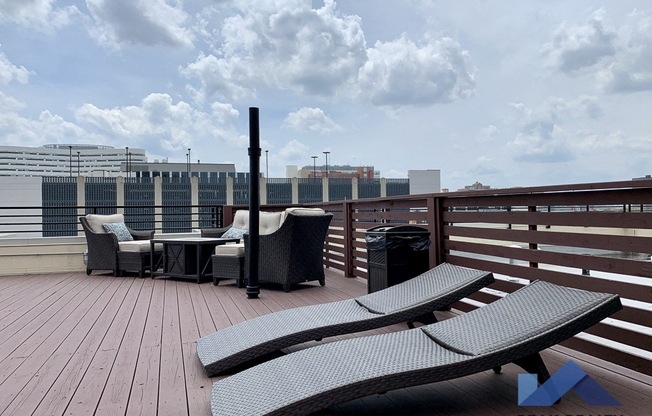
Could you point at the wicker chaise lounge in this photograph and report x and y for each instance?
(411, 300)
(511, 330)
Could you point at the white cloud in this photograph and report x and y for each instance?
(145, 22)
(224, 112)
(488, 134)
(543, 135)
(48, 128)
(632, 70)
(310, 119)
(10, 72)
(9, 104)
(576, 47)
(37, 14)
(619, 58)
(294, 152)
(401, 72)
(172, 126)
(220, 78)
(286, 45)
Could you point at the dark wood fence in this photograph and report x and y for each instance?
(590, 236)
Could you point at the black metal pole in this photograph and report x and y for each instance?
(77, 163)
(70, 160)
(254, 203)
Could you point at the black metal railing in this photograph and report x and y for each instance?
(61, 221)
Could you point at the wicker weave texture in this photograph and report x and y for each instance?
(293, 253)
(103, 248)
(437, 288)
(312, 379)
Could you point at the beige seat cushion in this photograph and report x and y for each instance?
(95, 221)
(138, 246)
(230, 249)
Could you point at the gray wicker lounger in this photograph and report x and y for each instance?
(411, 300)
(511, 330)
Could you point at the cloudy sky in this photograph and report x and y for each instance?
(504, 93)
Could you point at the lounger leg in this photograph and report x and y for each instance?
(426, 319)
(534, 364)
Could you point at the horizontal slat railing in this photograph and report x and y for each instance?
(587, 238)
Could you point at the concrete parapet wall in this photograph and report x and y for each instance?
(41, 255)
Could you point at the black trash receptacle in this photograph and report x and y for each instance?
(395, 253)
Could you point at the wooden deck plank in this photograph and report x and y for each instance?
(204, 320)
(216, 309)
(31, 305)
(61, 348)
(103, 340)
(197, 384)
(117, 390)
(62, 392)
(106, 345)
(82, 368)
(143, 399)
(24, 362)
(172, 388)
(15, 288)
(21, 329)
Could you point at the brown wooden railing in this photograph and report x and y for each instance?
(590, 236)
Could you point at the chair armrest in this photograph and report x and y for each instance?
(141, 235)
(101, 244)
(213, 232)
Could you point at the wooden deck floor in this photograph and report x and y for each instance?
(74, 344)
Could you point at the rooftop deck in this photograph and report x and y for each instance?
(74, 344)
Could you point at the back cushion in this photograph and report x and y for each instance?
(268, 223)
(241, 219)
(95, 221)
(301, 211)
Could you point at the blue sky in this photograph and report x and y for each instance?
(504, 93)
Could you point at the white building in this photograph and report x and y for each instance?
(424, 181)
(66, 160)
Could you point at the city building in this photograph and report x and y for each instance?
(333, 171)
(66, 160)
(165, 169)
(424, 181)
(475, 187)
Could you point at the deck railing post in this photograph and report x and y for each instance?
(532, 227)
(347, 208)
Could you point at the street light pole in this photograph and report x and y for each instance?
(127, 159)
(188, 164)
(70, 160)
(266, 164)
(314, 168)
(77, 163)
(326, 153)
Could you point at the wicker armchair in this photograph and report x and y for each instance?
(293, 253)
(105, 252)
